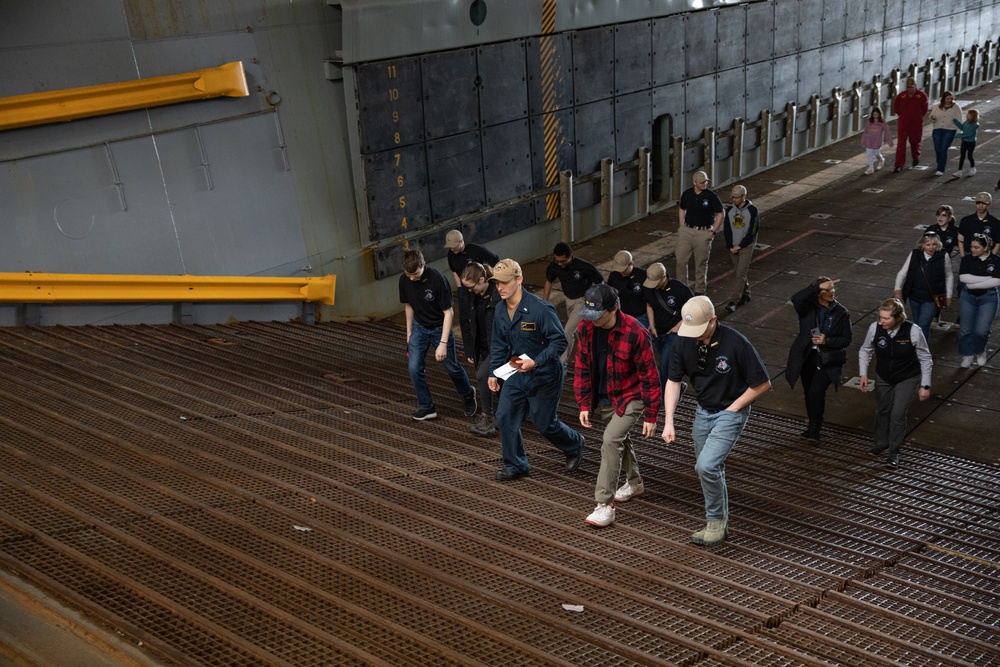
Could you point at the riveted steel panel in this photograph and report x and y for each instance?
(451, 101)
(555, 132)
(397, 191)
(808, 78)
(558, 49)
(786, 28)
(892, 13)
(626, 180)
(503, 222)
(911, 12)
(952, 30)
(700, 43)
(503, 90)
(633, 57)
(387, 259)
(909, 48)
(506, 161)
(700, 102)
(390, 104)
(669, 101)
(872, 60)
(834, 22)
(927, 40)
(455, 172)
(668, 50)
(785, 76)
(831, 70)
(810, 24)
(759, 89)
(633, 124)
(732, 37)
(595, 135)
(760, 31)
(891, 51)
(862, 18)
(593, 64)
(732, 93)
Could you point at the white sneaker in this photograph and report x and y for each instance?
(870, 170)
(602, 515)
(972, 172)
(939, 173)
(627, 492)
(880, 163)
(967, 361)
(958, 174)
(981, 359)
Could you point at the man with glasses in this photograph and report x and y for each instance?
(426, 297)
(910, 106)
(742, 223)
(728, 375)
(575, 276)
(980, 222)
(700, 219)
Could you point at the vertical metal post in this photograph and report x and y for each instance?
(928, 86)
(709, 139)
(765, 138)
(987, 52)
(790, 110)
(876, 91)
(894, 80)
(607, 191)
(856, 109)
(645, 179)
(739, 126)
(812, 121)
(973, 71)
(677, 168)
(566, 205)
(838, 103)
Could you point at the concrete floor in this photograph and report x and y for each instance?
(820, 215)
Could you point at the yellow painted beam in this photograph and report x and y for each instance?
(56, 106)
(95, 288)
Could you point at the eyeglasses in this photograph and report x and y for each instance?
(702, 356)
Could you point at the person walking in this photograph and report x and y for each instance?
(575, 276)
(980, 274)
(426, 297)
(903, 366)
(665, 296)
(875, 134)
(478, 304)
(946, 227)
(926, 281)
(967, 134)
(819, 352)
(615, 381)
(628, 278)
(528, 335)
(729, 376)
(699, 215)
(741, 226)
(910, 107)
(943, 116)
(980, 222)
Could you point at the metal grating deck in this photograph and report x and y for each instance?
(256, 494)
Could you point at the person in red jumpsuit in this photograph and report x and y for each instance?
(911, 106)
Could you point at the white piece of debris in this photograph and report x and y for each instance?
(303, 529)
(572, 607)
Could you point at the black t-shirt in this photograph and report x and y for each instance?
(600, 355)
(700, 210)
(971, 224)
(576, 278)
(674, 294)
(471, 253)
(949, 237)
(630, 291)
(731, 366)
(988, 267)
(429, 297)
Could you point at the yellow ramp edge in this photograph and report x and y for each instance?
(57, 106)
(96, 288)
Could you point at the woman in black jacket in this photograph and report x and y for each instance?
(478, 303)
(820, 350)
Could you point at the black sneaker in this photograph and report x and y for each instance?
(425, 413)
(471, 405)
(731, 307)
(510, 474)
(897, 170)
(916, 162)
(744, 300)
(893, 460)
(878, 449)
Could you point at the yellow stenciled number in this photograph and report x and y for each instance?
(402, 201)
(391, 71)
(399, 180)
(397, 158)
(393, 94)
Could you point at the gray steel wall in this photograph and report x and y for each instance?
(271, 184)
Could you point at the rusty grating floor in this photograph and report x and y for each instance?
(257, 494)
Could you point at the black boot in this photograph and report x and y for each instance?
(812, 432)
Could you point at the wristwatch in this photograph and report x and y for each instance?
(926, 386)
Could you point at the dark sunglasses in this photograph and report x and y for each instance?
(702, 356)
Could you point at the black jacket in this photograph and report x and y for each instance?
(836, 326)
(475, 317)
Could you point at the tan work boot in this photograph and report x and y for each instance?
(713, 533)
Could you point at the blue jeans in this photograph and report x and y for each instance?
(922, 313)
(977, 314)
(422, 338)
(663, 344)
(535, 394)
(714, 436)
(942, 141)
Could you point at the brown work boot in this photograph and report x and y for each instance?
(485, 425)
(713, 533)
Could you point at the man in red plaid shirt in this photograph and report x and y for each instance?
(616, 379)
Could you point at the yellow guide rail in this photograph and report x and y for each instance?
(95, 288)
(56, 106)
